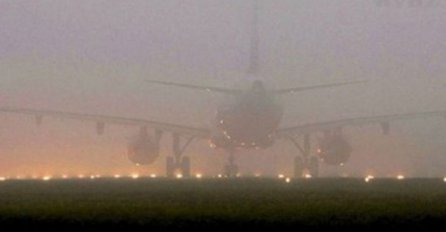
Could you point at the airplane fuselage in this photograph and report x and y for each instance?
(248, 123)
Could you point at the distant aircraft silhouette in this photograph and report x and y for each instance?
(251, 121)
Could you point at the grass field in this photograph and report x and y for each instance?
(220, 203)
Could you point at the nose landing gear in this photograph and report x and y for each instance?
(231, 169)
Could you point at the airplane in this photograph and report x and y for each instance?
(251, 121)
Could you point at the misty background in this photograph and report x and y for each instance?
(93, 56)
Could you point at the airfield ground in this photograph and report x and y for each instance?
(223, 203)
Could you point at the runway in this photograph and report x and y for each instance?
(224, 203)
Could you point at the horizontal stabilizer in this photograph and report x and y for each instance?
(323, 86)
(205, 88)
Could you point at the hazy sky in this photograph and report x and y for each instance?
(92, 57)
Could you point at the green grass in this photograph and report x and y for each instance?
(209, 203)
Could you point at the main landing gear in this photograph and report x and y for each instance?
(305, 164)
(176, 164)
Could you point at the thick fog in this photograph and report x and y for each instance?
(93, 56)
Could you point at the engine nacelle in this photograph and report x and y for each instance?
(334, 150)
(143, 150)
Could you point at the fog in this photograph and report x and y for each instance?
(93, 56)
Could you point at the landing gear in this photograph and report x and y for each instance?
(305, 164)
(177, 164)
(304, 167)
(170, 167)
(298, 166)
(231, 169)
(185, 166)
(313, 166)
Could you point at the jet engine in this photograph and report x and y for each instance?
(334, 149)
(143, 149)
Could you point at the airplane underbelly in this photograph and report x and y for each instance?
(250, 129)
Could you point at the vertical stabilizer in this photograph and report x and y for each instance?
(253, 68)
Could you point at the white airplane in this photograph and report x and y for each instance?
(252, 121)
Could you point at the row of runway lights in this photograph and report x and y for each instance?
(132, 176)
(367, 179)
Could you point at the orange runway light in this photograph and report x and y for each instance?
(153, 176)
(287, 180)
(369, 178)
(46, 178)
(400, 177)
(281, 176)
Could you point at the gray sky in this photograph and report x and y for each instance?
(92, 57)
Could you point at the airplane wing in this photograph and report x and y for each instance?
(304, 88)
(101, 120)
(382, 120)
(205, 88)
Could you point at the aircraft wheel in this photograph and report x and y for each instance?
(298, 167)
(170, 167)
(185, 167)
(313, 166)
(231, 170)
